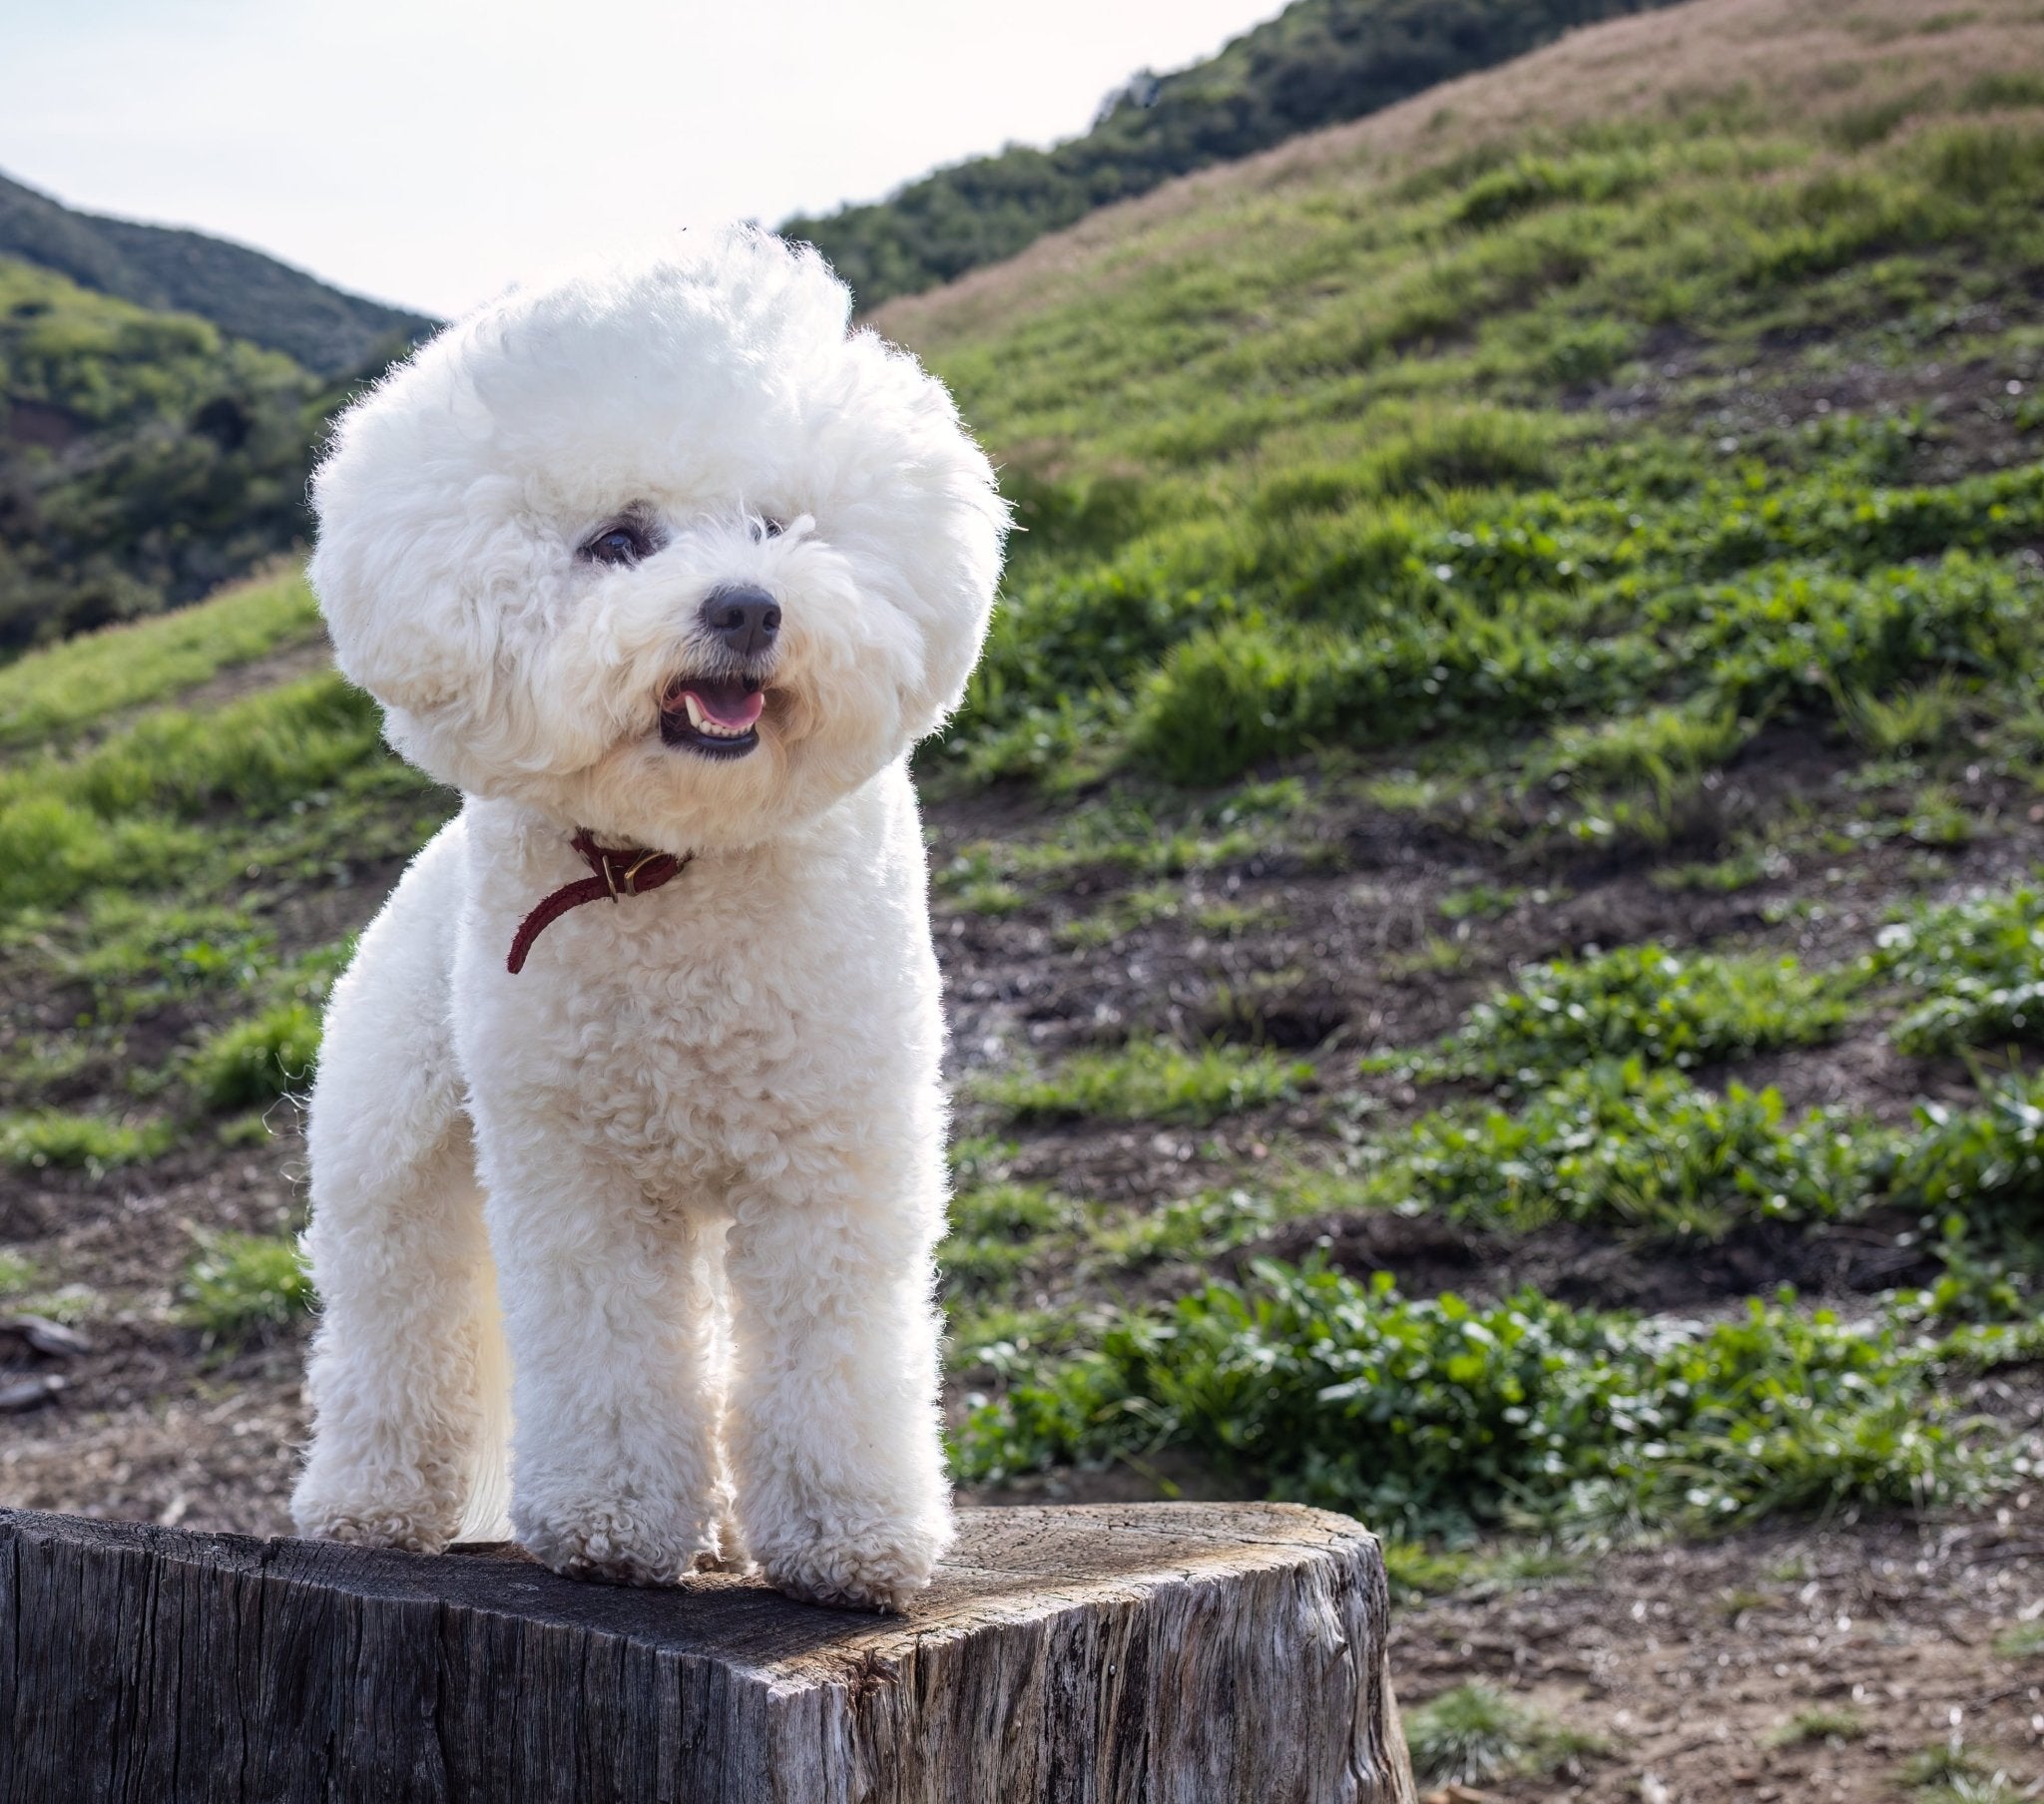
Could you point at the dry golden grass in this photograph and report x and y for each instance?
(1808, 63)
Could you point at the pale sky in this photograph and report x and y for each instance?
(427, 151)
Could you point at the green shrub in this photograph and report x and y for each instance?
(258, 1059)
(1150, 1081)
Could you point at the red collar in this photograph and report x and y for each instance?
(630, 872)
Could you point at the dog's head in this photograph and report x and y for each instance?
(667, 551)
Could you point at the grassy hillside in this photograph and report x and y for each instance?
(1485, 890)
(1317, 63)
(241, 291)
(144, 457)
(1441, 428)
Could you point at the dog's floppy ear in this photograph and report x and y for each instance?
(404, 646)
(415, 565)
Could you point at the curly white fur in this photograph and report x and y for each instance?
(694, 1151)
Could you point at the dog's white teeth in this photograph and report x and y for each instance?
(694, 707)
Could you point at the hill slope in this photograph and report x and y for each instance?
(145, 456)
(1319, 62)
(1494, 835)
(241, 291)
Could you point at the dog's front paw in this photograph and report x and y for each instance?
(620, 1542)
(419, 1527)
(880, 1568)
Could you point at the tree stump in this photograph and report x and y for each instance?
(1195, 1654)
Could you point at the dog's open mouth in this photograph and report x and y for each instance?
(718, 716)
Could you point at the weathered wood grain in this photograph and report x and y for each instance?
(1163, 1654)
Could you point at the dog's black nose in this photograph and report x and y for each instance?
(746, 618)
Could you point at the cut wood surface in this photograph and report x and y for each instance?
(1196, 1653)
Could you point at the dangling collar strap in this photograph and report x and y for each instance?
(629, 872)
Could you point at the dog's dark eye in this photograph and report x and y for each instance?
(770, 527)
(621, 542)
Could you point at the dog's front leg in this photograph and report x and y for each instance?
(609, 1313)
(833, 1428)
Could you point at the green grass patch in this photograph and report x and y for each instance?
(1476, 1735)
(1120, 916)
(1819, 1724)
(997, 1231)
(2024, 1642)
(258, 1059)
(1622, 1144)
(99, 677)
(241, 1286)
(1981, 962)
(1150, 1081)
(127, 813)
(1437, 1415)
(49, 1138)
(1983, 1165)
(1636, 1002)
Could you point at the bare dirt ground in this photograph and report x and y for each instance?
(1691, 1665)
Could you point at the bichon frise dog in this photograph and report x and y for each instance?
(666, 568)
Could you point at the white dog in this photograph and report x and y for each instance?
(667, 570)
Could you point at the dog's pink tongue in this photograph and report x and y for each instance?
(733, 707)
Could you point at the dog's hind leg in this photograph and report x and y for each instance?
(405, 1348)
